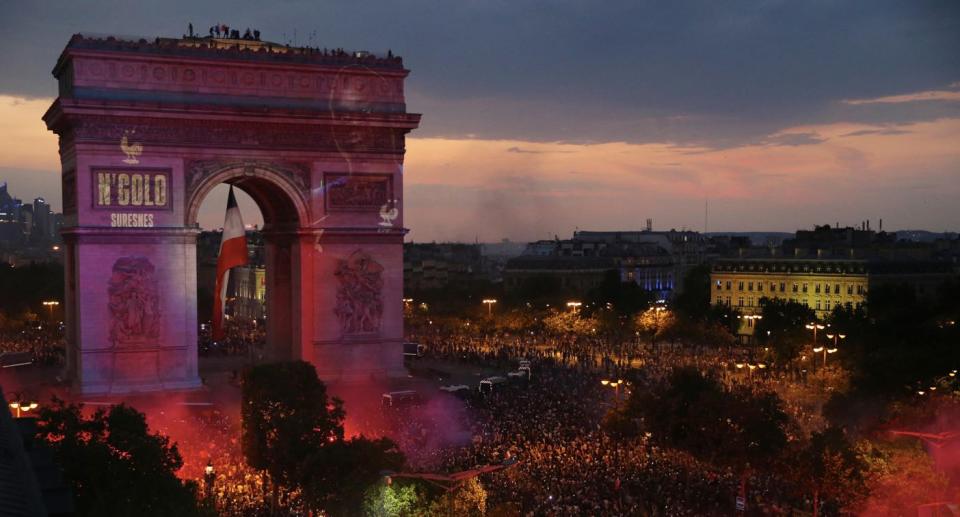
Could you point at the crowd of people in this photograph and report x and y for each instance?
(244, 338)
(566, 463)
(206, 435)
(550, 424)
(43, 341)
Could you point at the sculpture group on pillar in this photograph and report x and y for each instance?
(359, 296)
(134, 303)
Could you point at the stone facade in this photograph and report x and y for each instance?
(275, 121)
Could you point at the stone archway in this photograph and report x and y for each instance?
(147, 128)
(279, 192)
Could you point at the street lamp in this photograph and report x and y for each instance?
(50, 304)
(489, 303)
(22, 406)
(836, 338)
(209, 476)
(613, 384)
(574, 306)
(814, 326)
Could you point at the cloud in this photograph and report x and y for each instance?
(684, 72)
(883, 131)
(794, 139)
(531, 151)
(619, 184)
(932, 95)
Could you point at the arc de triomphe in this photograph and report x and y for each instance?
(316, 138)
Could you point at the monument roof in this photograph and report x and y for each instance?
(207, 47)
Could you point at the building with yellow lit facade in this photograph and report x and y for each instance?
(819, 283)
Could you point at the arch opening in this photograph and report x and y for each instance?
(260, 306)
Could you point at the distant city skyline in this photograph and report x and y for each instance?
(780, 115)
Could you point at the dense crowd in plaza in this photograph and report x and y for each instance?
(551, 424)
(567, 465)
(243, 338)
(205, 435)
(43, 341)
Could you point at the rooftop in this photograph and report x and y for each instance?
(233, 48)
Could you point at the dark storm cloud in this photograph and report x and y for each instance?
(687, 72)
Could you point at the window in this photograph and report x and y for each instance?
(750, 286)
(860, 289)
(849, 288)
(728, 285)
(750, 302)
(836, 288)
(728, 301)
(719, 300)
(773, 287)
(740, 301)
(719, 285)
(804, 287)
(816, 289)
(740, 286)
(795, 286)
(783, 287)
(818, 304)
(750, 323)
(760, 286)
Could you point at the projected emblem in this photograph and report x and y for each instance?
(359, 302)
(388, 213)
(134, 303)
(132, 150)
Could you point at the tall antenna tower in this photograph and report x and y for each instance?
(706, 214)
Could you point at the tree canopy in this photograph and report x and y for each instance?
(694, 413)
(114, 464)
(285, 412)
(293, 430)
(783, 327)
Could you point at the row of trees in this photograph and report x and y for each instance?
(617, 311)
(745, 431)
(25, 288)
(292, 431)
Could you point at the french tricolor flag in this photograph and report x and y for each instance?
(233, 253)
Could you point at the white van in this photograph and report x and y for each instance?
(455, 388)
(487, 385)
(413, 349)
(398, 399)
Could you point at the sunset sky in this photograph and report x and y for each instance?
(539, 117)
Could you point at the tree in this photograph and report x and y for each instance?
(336, 475)
(286, 413)
(626, 298)
(391, 500)
(782, 327)
(538, 290)
(901, 476)
(725, 317)
(569, 322)
(33, 284)
(694, 301)
(467, 500)
(831, 469)
(113, 464)
(693, 413)
(654, 322)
